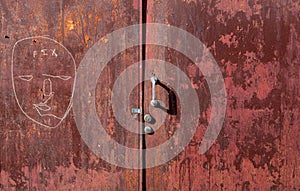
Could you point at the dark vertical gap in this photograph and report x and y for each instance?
(144, 21)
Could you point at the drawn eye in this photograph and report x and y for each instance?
(64, 77)
(26, 77)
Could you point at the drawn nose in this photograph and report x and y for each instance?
(47, 87)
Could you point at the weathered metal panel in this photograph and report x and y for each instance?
(256, 45)
(32, 155)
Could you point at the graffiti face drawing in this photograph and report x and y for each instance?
(43, 76)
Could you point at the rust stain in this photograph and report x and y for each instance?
(70, 24)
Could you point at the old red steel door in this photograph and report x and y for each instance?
(216, 85)
(256, 47)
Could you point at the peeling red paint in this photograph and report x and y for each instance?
(36, 158)
(256, 44)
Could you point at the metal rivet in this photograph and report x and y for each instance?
(154, 103)
(148, 130)
(148, 118)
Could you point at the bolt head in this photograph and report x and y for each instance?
(154, 103)
(148, 118)
(148, 130)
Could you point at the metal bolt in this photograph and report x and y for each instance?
(154, 103)
(148, 118)
(148, 130)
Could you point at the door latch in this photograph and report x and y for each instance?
(135, 112)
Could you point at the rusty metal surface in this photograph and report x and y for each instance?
(256, 44)
(32, 156)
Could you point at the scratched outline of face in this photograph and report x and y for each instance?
(43, 79)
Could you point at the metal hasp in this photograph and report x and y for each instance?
(154, 102)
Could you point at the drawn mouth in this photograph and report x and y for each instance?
(42, 107)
